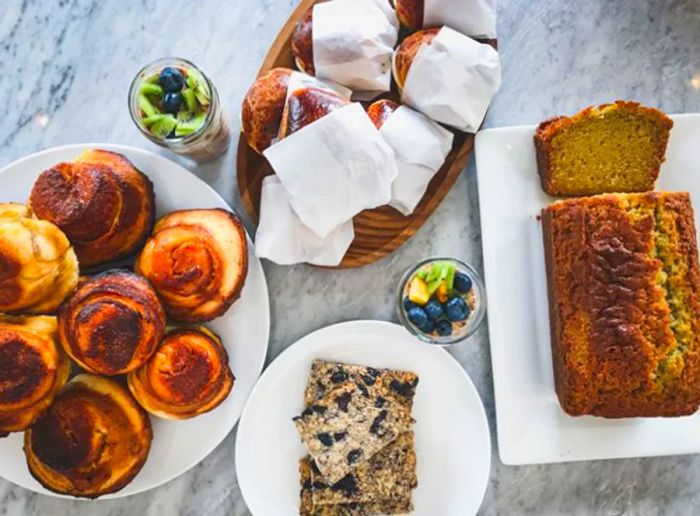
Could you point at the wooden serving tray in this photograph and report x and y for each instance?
(379, 231)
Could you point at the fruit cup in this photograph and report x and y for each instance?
(176, 106)
(441, 301)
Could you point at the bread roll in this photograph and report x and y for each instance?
(381, 110)
(262, 109)
(197, 260)
(302, 43)
(406, 52)
(103, 203)
(187, 376)
(306, 105)
(33, 369)
(410, 13)
(93, 440)
(112, 323)
(38, 267)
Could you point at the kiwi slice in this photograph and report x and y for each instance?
(150, 120)
(163, 127)
(190, 99)
(146, 106)
(189, 125)
(151, 90)
(153, 78)
(200, 87)
(450, 276)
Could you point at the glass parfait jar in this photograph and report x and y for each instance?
(441, 294)
(190, 121)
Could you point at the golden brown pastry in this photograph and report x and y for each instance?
(188, 375)
(197, 260)
(406, 52)
(103, 203)
(306, 105)
(380, 111)
(262, 109)
(38, 267)
(33, 368)
(302, 43)
(112, 323)
(410, 13)
(93, 440)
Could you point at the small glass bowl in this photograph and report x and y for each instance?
(476, 314)
(208, 142)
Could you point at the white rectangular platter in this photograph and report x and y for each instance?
(531, 426)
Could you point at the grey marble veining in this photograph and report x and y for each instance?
(65, 67)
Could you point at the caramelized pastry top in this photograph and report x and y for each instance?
(380, 111)
(93, 440)
(197, 260)
(38, 267)
(112, 323)
(263, 106)
(32, 369)
(188, 375)
(306, 105)
(101, 201)
(404, 55)
(302, 43)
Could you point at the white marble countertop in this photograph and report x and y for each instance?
(65, 67)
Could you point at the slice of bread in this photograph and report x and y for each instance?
(616, 147)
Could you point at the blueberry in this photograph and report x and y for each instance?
(172, 103)
(171, 80)
(444, 328)
(462, 283)
(408, 304)
(418, 316)
(457, 309)
(434, 310)
(428, 327)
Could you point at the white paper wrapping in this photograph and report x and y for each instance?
(453, 79)
(284, 239)
(353, 41)
(420, 146)
(475, 18)
(334, 168)
(298, 80)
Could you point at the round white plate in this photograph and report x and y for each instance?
(453, 444)
(244, 329)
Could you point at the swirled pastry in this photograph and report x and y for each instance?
(38, 267)
(187, 376)
(103, 203)
(197, 260)
(33, 368)
(93, 440)
(112, 323)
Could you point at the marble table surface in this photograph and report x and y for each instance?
(65, 67)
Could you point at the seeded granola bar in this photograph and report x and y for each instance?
(307, 507)
(390, 475)
(349, 425)
(326, 376)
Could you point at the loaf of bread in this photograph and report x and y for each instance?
(616, 147)
(624, 299)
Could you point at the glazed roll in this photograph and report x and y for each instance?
(306, 105)
(380, 111)
(104, 204)
(475, 18)
(406, 53)
(33, 368)
(197, 260)
(93, 440)
(112, 323)
(262, 109)
(38, 267)
(187, 376)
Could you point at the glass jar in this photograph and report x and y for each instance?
(474, 298)
(210, 140)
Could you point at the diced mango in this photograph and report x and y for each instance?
(418, 291)
(441, 293)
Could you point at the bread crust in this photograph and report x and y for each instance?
(263, 106)
(550, 128)
(614, 289)
(406, 52)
